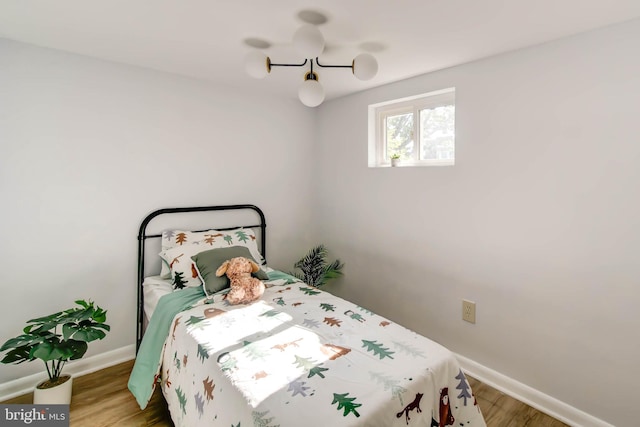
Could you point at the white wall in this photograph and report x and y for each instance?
(89, 148)
(538, 221)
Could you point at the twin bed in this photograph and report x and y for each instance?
(299, 356)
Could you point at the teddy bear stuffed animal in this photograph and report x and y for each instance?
(244, 287)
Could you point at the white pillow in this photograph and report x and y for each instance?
(210, 239)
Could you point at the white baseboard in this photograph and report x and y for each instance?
(532, 397)
(522, 392)
(76, 368)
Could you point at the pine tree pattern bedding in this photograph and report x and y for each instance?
(303, 357)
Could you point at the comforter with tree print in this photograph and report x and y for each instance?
(303, 357)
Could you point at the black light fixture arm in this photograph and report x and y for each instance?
(271, 64)
(333, 66)
(308, 76)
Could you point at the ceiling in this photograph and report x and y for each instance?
(208, 39)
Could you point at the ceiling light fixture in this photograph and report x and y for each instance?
(309, 42)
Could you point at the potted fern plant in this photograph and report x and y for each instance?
(314, 268)
(56, 339)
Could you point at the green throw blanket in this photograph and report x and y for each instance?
(142, 381)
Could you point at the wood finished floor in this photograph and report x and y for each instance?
(101, 399)
(500, 410)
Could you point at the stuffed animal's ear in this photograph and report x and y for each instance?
(222, 269)
(254, 267)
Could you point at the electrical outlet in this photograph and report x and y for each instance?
(468, 311)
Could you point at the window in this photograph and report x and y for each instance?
(419, 129)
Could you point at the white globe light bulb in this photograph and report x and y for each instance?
(255, 64)
(311, 93)
(365, 66)
(308, 41)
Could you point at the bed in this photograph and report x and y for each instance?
(299, 356)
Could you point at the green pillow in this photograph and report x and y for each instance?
(208, 262)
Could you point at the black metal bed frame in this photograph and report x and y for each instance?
(143, 236)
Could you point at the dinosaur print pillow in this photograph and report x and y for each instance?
(212, 239)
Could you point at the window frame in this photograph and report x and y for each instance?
(378, 114)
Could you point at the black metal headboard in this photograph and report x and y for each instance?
(143, 236)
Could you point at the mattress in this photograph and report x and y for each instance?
(154, 287)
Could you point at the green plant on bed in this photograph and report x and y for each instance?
(314, 268)
(58, 338)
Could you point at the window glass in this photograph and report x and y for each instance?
(399, 135)
(437, 133)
